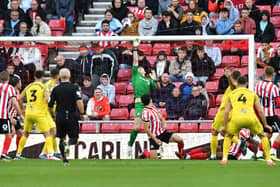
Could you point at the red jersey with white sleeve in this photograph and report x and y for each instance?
(152, 115)
(235, 148)
(6, 94)
(11, 108)
(268, 92)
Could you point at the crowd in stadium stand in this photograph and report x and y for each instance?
(183, 78)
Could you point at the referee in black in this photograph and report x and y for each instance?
(67, 98)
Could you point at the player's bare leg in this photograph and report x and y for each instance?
(133, 135)
(274, 147)
(19, 134)
(266, 149)
(180, 142)
(226, 147)
(214, 144)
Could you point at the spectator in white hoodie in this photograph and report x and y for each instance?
(213, 52)
(108, 89)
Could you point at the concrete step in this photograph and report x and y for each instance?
(102, 5)
(91, 17)
(82, 34)
(88, 23)
(85, 29)
(97, 10)
(69, 54)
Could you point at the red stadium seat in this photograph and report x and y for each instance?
(44, 49)
(125, 100)
(277, 34)
(233, 61)
(218, 74)
(2, 21)
(244, 61)
(212, 113)
(177, 84)
(129, 89)
(265, 7)
(117, 99)
(88, 128)
(152, 60)
(170, 58)
(276, 11)
(260, 71)
(243, 71)
(124, 75)
(161, 47)
(57, 24)
(126, 127)
(275, 20)
(212, 100)
(188, 127)
(110, 128)
(57, 33)
(130, 8)
(205, 127)
(185, 7)
(120, 87)
(146, 48)
(277, 111)
(163, 112)
(212, 86)
(172, 127)
(119, 114)
(257, 46)
(131, 114)
(219, 99)
(275, 45)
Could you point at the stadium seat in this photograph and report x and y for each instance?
(243, 71)
(110, 128)
(244, 61)
(129, 89)
(277, 111)
(44, 53)
(177, 84)
(170, 58)
(117, 99)
(57, 24)
(163, 112)
(219, 99)
(188, 127)
(131, 114)
(212, 100)
(120, 87)
(275, 20)
(233, 61)
(130, 8)
(172, 127)
(277, 34)
(152, 60)
(2, 21)
(275, 45)
(212, 86)
(212, 113)
(119, 114)
(185, 7)
(161, 47)
(88, 128)
(276, 11)
(126, 127)
(146, 48)
(125, 100)
(265, 7)
(257, 46)
(260, 71)
(218, 74)
(124, 75)
(57, 33)
(205, 127)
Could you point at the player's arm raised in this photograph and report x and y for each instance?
(150, 134)
(259, 109)
(135, 52)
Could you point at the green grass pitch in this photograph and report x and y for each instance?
(133, 173)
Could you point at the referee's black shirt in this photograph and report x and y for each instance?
(65, 95)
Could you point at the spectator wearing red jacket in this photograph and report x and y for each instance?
(248, 25)
(98, 106)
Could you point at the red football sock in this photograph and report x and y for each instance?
(275, 145)
(180, 147)
(200, 156)
(260, 148)
(194, 151)
(251, 147)
(147, 154)
(17, 140)
(6, 146)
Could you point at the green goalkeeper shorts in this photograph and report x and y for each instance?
(139, 106)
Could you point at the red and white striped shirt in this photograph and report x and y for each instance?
(139, 12)
(267, 91)
(6, 94)
(235, 150)
(105, 34)
(151, 115)
(11, 109)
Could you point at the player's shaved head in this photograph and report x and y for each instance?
(235, 75)
(54, 73)
(242, 80)
(4, 76)
(268, 71)
(146, 99)
(64, 74)
(39, 74)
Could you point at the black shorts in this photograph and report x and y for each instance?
(5, 126)
(67, 125)
(164, 137)
(231, 157)
(274, 122)
(18, 125)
